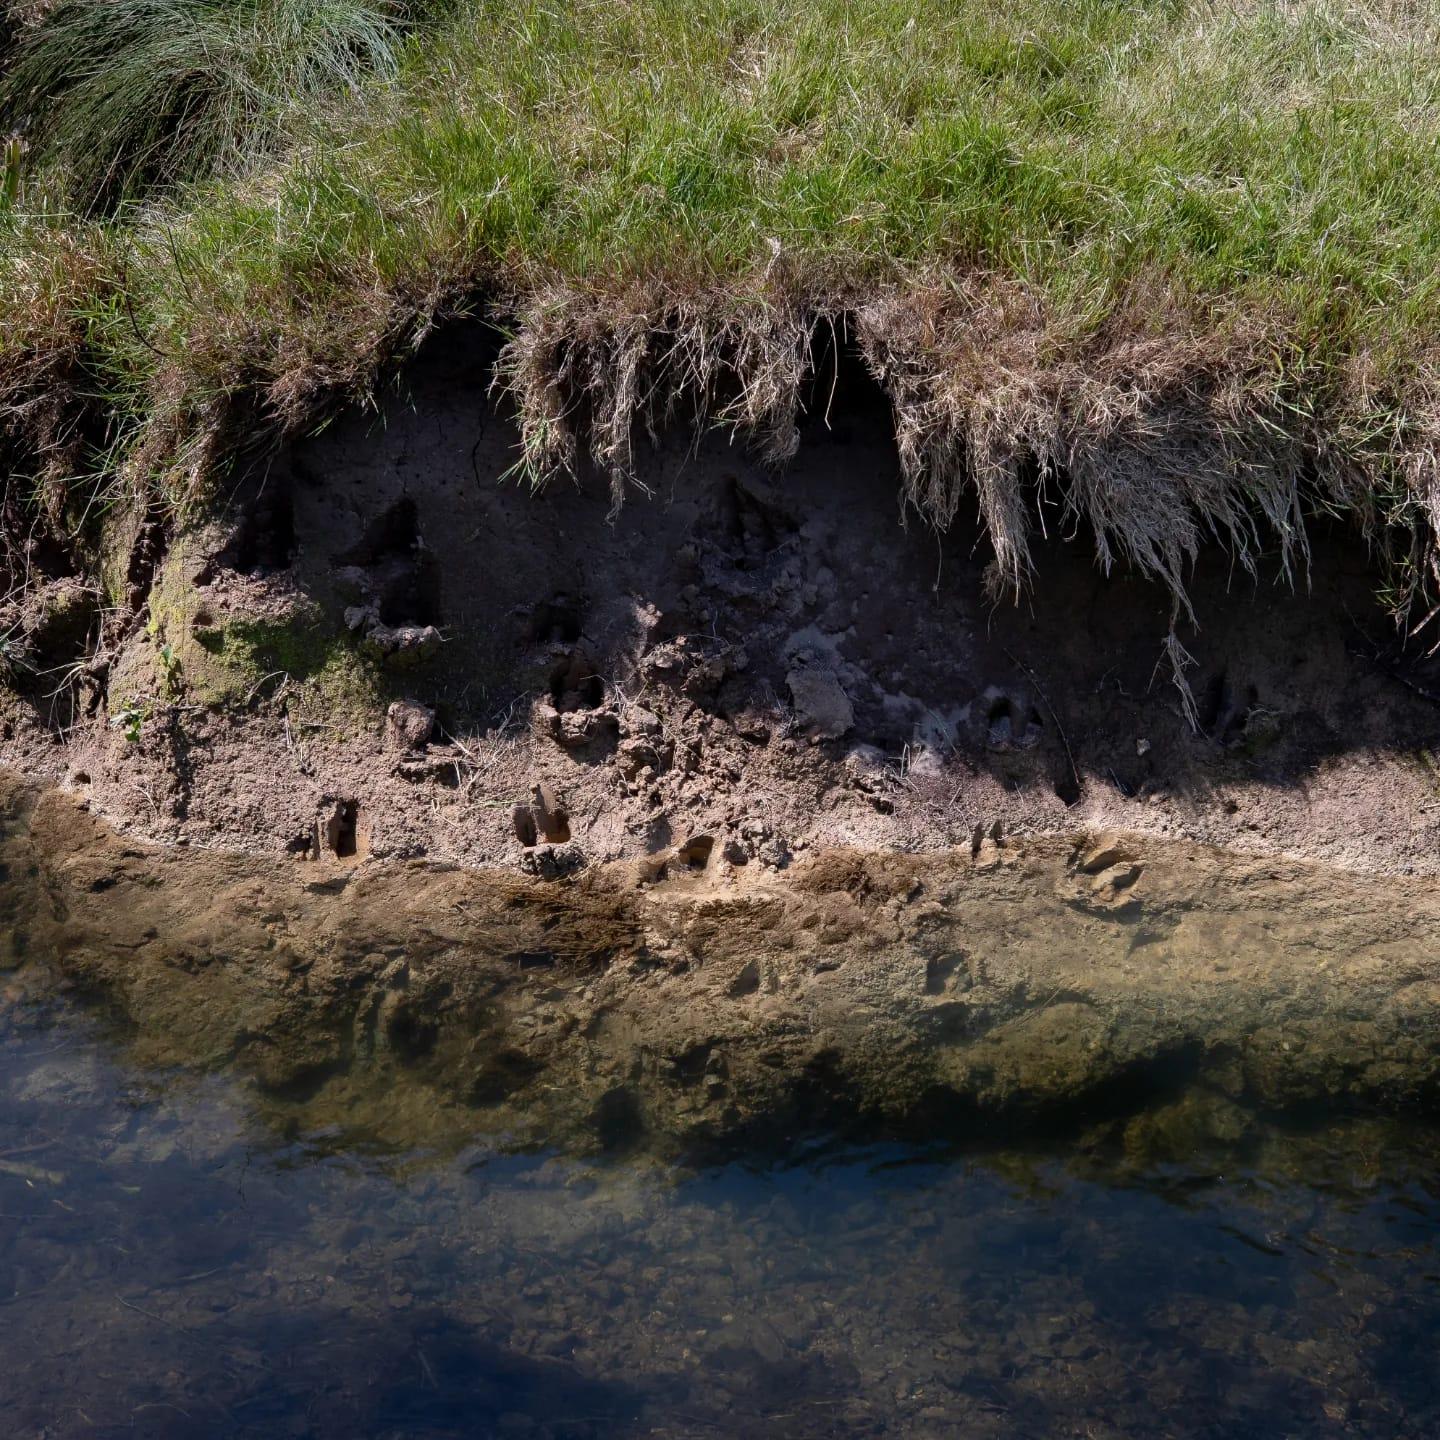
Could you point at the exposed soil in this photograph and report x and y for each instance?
(930, 993)
(389, 646)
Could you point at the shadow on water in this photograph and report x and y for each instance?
(340, 1375)
(169, 1269)
(423, 1373)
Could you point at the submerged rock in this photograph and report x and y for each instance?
(990, 985)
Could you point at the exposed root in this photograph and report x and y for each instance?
(587, 364)
(1412, 452)
(1155, 444)
(1158, 443)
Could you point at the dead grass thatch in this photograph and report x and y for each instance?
(1154, 442)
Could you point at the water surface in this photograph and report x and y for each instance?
(169, 1267)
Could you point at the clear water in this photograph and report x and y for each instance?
(170, 1268)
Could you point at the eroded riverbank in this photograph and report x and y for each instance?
(673, 1009)
(375, 631)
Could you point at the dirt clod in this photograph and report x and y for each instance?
(552, 862)
(408, 725)
(551, 819)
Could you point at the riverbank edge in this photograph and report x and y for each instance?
(1018, 985)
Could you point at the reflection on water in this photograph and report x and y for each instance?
(169, 1269)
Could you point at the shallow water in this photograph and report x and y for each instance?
(169, 1267)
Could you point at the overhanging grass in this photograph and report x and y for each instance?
(1183, 254)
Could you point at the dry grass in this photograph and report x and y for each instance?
(49, 282)
(609, 366)
(1153, 444)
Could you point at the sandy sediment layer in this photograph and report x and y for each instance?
(683, 1005)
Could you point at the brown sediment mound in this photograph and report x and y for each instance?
(1008, 982)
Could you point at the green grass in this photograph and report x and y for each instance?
(1179, 239)
(120, 96)
(1259, 154)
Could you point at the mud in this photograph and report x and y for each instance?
(980, 991)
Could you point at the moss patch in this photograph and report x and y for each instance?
(233, 659)
(324, 669)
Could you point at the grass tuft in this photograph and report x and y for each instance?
(119, 96)
(49, 277)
